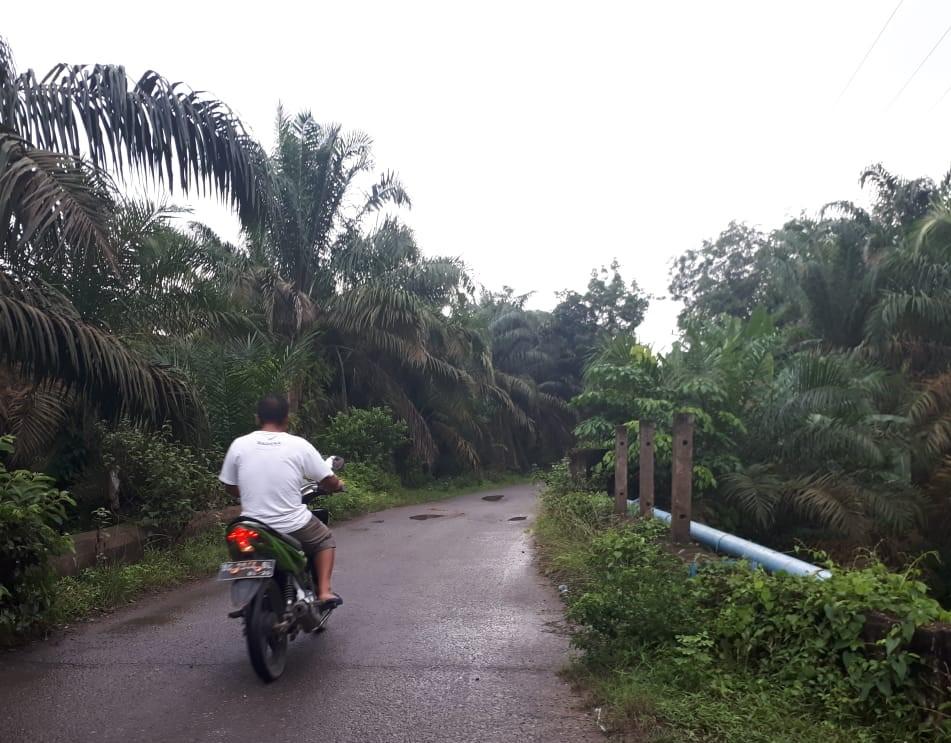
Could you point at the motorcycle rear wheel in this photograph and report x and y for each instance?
(267, 647)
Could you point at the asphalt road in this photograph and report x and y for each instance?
(447, 633)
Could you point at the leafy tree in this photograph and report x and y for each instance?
(580, 322)
(728, 276)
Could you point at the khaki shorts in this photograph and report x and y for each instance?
(315, 537)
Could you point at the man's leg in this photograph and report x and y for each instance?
(323, 570)
(318, 541)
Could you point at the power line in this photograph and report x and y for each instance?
(868, 52)
(943, 96)
(920, 65)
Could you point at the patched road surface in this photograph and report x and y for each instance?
(447, 633)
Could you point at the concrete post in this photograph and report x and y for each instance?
(620, 470)
(681, 478)
(646, 476)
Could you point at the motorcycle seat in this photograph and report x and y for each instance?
(291, 541)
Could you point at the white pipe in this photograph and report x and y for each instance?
(720, 541)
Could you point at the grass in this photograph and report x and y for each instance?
(107, 587)
(648, 704)
(644, 695)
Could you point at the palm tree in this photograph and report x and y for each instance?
(362, 299)
(314, 172)
(909, 323)
(838, 281)
(59, 137)
(537, 426)
(900, 203)
(386, 329)
(314, 169)
(831, 449)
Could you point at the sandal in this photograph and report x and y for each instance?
(330, 603)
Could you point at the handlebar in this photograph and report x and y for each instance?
(312, 490)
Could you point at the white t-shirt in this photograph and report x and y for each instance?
(269, 469)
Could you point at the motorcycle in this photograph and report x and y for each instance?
(272, 585)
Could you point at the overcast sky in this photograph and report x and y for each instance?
(539, 140)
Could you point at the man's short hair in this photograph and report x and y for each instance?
(273, 409)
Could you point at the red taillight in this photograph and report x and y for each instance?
(241, 536)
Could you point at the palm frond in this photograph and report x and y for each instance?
(165, 130)
(34, 415)
(53, 346)
(387, 190)
(43, 193)
(463, 448)
(392, 393)
(756, 492)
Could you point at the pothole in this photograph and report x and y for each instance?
(424, 516)
(518, 518)
(492, 498)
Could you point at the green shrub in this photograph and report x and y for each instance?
(31, 512)
(810, 635)
(367, 476)
(588, 511)
(558, 479)
(366, 435)
(641, 595)
(162, 484)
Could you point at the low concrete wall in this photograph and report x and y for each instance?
(126, 542)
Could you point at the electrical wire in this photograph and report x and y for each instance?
(943, 96)
(920, 65)
(868, 52)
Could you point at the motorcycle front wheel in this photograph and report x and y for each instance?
(267, 646)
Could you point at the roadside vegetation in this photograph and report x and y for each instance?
(734, 653)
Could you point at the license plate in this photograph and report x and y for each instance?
(246, 569)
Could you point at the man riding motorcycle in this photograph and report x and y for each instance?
(266, 469)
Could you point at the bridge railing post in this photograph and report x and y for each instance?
(646, 469)
(620, 470)
(681, 478)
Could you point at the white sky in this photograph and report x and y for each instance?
(539, 139)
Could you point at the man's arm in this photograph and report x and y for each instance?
(229, 473)
(316, 468)
(332, 484)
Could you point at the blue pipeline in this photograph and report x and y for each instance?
(728, 544)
